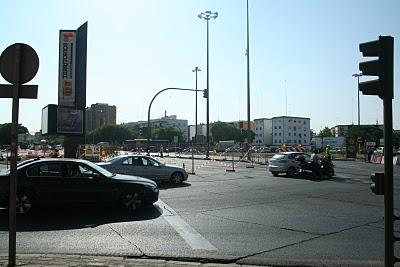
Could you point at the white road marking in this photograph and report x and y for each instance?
(188, 233)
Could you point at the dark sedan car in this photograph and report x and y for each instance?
(72, 181)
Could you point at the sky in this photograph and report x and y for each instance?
(302, 57)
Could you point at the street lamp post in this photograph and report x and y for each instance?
(249, 141)
(358, 75)
(196, 69)
(207, 15)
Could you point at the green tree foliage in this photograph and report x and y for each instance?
(396, 139)
(312, 134)
(114, 134)
(166, 134)
(222, 131)
(54, 139)
(368, 133)
(5, 133)
(326, 132)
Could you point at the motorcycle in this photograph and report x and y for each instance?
(307, 169)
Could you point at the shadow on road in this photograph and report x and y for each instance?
(171, 186)
(48, 219)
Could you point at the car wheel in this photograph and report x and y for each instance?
(275, 173)
(132, 201)
(176, 178)
(290, 172)
(23, 203)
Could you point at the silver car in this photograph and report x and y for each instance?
(286, 162)
(145, 166)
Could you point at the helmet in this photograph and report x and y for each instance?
(329, 146)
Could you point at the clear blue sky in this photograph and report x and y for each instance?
(302, 53)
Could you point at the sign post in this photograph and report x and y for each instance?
(19, 63)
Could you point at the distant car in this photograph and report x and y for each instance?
(145, 166)
(286, 162)
(72, 181)
(336, 150)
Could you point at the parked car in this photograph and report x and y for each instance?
(286, 162)
(145, 166)
(73, 181)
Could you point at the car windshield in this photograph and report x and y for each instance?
(278, 156)
(100, 169)
(111, 160)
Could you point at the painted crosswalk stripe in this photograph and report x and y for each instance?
(188, 233)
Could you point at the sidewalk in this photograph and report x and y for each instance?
(36, 260)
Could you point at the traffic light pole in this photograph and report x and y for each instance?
(383, 87)
(388, 184)
(148, 112)
(387, 83)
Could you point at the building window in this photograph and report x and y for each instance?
(280, 127)
(275, 135)
(295, 121)
(260, 135)
(280, 134)
(305, 142)
(294, 134)
(260, 128)
(289, 134)
(275, 127)
(280, 141)
(294, 128)
(275, 141)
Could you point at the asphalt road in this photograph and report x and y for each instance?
(247, 216)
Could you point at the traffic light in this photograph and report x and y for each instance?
(205, 93)
(378, 179)
(381, 67)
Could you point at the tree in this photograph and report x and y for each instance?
(222, 131)
(5, 133)
(312, 134)
(326, 132)
(114, 134)
(368, 133)
(166, 134)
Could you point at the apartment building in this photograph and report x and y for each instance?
(282, 130)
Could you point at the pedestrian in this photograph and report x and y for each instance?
(161, 151)
(370, 153)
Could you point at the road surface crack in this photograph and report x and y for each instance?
(306, 240)
(127, 240)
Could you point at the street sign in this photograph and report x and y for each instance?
(19, 63)
(29, 63)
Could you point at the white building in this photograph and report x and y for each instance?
(263, 132)
(201, 133)
(165, 122)
(282, 130)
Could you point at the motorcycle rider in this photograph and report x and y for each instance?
(328, 153)
(315, 162)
